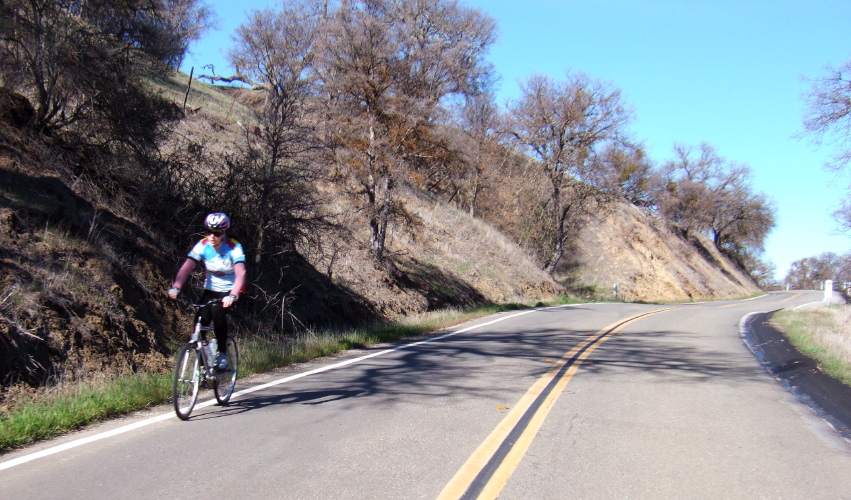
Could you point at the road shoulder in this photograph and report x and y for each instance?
(799, 373)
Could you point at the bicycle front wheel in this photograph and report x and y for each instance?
(184, 391)
(226, 380)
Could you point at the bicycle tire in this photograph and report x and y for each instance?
(225, 381)
(184, 391)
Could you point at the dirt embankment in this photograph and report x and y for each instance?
(651, 261)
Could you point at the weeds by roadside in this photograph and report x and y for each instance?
(823, 334)
(73, 406)
(64, 408)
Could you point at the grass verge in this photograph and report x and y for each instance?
(823, 334)
(73, 406)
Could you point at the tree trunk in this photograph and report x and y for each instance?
(559, 215)
(381, 216)
(558, 253)
(474, 192)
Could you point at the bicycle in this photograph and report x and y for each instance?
(196, 367)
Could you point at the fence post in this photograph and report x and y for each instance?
(188, 86)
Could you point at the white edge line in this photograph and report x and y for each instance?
(165, 416)
(745, 328)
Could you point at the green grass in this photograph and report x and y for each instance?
(822, 334)
(74, 406)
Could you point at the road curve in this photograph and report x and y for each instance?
(585, 401)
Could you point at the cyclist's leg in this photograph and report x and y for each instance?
(220, 327)
(206, 312)
(217, 315)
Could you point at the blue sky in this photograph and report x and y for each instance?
(726, 72)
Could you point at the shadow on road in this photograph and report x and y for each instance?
(442, 369)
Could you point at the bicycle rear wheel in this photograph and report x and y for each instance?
(226, 380)
(184, 391)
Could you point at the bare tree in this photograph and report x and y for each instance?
(274, 168)
(741, 219)
(762, 271)
(478, 146)
(561, 124)
(460, 170)
(828, 112)
(79, 62)
(828, 115)
(691, 182)
(842, 215)
(704, 192)
(185, 21)
(386, 66)
(275, 49)
(810, 272)
(625, 171)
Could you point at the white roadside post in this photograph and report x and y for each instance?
(828, 291)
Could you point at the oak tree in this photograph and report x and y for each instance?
(387, 67)
(828, 116)
(81, 63)
(561, 124)
(274, 166)
(704, 192)
(625, 171)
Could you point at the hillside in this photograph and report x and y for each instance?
(84, 279)
(651, 261)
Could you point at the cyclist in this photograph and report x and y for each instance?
(224, 261)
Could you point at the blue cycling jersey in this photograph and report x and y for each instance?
(219, 264)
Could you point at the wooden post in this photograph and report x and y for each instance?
(188, 86)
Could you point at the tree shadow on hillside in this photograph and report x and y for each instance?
(439, 288)
(568, 272)
(711, 258)
(316, 300)
(86, 275)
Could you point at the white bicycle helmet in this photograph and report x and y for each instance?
(217, 221)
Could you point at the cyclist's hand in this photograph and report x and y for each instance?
(228, 301)
(173, 293)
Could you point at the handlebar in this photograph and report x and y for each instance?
(183, 300)
(199, 306)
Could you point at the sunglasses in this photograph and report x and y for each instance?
(217, 234)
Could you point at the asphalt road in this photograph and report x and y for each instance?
(585, 401)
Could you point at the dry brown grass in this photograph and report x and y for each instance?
(834, 334)
(218, 104)
(823, 334)
(444, 258)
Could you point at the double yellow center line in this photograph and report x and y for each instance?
(488, 469)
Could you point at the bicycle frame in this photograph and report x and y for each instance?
(189, 375)
(197, 340)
